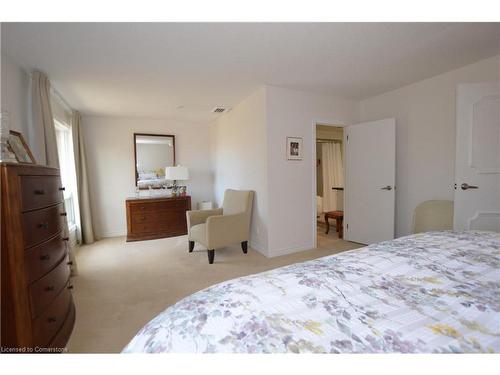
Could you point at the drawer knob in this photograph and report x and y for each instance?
(39, 192)
(49, 288)
(43, 225)
(70, 287)
(64, 214)
(45, 257)
(51, 319)
(70, 263)
(65, 238)
(62, 189)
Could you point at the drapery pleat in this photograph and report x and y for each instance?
(87, 228)
(333, 174)
(42, 133)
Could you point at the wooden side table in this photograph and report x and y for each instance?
(339, 217)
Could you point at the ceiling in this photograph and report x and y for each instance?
(184, 70)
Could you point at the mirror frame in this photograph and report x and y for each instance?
(136, 173)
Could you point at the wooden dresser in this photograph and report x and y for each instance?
(37, 304)
(156, 217)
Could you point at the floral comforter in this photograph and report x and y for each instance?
(436, 292)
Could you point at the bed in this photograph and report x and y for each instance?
(153, 178)
(154, 183)
(437, 292)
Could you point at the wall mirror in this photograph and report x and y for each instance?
(153, 152)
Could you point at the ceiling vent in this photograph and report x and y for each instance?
(220, 110)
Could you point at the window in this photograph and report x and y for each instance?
(64, 140)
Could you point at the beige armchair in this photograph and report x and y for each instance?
(223, 226)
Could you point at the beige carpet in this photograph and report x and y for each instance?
(121, 286)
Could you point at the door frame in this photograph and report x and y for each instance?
(337, 124)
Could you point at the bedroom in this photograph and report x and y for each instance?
(176, 176)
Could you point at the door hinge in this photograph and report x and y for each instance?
(347, 226)
(347, 137)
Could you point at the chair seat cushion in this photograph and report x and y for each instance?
(198, 233)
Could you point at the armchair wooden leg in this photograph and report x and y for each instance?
(244, 246)
(211, 256)
(191, 246)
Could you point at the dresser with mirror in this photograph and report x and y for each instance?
(154, 212)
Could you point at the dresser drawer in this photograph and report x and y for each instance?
(144, 217)
(52, 319)
(40, 191)
(62, 336)
(42, 224)
(142, 207)
(43, 291)
(161, 216)
(145, 228)
(42, 258)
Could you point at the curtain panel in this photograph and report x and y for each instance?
(333, 174)
(42, 135)
(87, 228)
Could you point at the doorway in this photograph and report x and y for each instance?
(363, 184)
(329, 185)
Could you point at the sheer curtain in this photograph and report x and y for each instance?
(333, 174)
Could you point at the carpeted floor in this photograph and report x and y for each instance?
(121, 286)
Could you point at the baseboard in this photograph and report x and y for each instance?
(257, 246)
(117, 233)
(272, 253)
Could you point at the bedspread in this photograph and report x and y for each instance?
(436, 292)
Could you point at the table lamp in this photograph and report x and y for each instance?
(175, 174)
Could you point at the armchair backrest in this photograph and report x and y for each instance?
(433, 215)
(237, 202)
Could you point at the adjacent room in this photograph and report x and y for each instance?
(329, 184)
(250, 187)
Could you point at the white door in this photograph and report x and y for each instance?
(369, 195)
(477, 166)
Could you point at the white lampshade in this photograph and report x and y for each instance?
(176, 173)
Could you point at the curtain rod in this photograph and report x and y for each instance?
(57, 94)
(61, 98)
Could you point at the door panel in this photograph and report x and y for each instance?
(370, 181)
(477, 167)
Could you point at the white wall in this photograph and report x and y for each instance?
(425, 135)
(15, 94)
(249, 152)
(110, 153)
(239, 158)
(291, 185)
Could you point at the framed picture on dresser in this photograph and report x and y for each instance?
(20, 148)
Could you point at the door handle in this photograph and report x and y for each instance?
(466, 186)
(388, 187)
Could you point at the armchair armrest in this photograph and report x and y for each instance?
(196, 217)
(224, 230)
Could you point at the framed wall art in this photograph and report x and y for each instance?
(293, 148)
